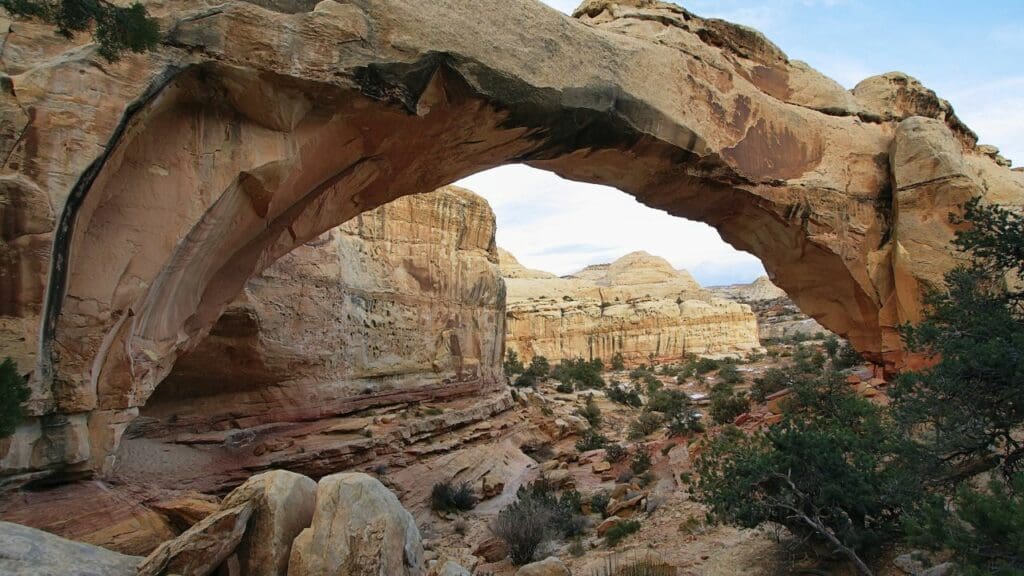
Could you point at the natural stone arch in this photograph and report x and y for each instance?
(254, 129)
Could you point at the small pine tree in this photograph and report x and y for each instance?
(14, 392)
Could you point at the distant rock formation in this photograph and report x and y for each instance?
(402, 303)
(777, 316)
(639, 306)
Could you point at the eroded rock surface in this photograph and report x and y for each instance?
(638, 306)
(29, 552)
(147, 192)
(359, 529)
(404, 303)
(777, 316)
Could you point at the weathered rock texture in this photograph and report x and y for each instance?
(403, 303)
(638, 306)
(777, 316)
(29, 552)
(143, 195)
(359, 529)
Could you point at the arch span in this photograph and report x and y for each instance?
(257, 127)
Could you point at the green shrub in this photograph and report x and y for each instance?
(14, 392)
(831, 472)
(618, 363)
(599, 503)
(645, 424)
(583, 373)
(591, 440)
(523, 525)
(445, 497)
(616, 394)
(641, 462)
(564, 387)
(705, 365)
(590, 412)
(773, 380)
(668, 402)
(116, 29)
(513, 365)
(726, 404)
(615, 452)
(729, 374)
(616, 533)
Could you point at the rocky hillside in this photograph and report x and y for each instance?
(778, 317)
(638, 306)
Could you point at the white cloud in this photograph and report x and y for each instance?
(561, 226)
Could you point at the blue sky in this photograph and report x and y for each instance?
(970, 53)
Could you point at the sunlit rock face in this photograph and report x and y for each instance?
(638, 306)
(139, 197)
(402, 303)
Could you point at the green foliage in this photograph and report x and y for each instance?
(832, 472)
(590, 412)
(668, 402)
(831, 346)
(729, 374)
(847, 357)
(599, 503)
(615, 452)
(513, 365)
(538, 514)
(564, 388)
(616, 394)
(641, 462)
(585, 374)
(968, 407)
(705, 365)
(646, 423)
(116, 29)
(619, 531)
(446, 497)
(534, 374)
(14, 392)
(618, 363)
(807, 360)
(726, 403)
(984, 528)
(591, 440)
(773, 380)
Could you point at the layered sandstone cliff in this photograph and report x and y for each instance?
(778, 317)
(402, 303)
(638, 306)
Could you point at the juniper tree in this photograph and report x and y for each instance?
(116, 29)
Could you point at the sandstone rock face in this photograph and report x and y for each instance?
(202, 548)
(400, 304)
(777, 316)
(30, 552)
(359, 529)
(283, 504)
(146, 193)
(549, 566)
(638, 306)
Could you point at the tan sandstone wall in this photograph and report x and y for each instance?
(402, 303)
(638, 306)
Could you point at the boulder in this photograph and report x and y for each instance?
(202, 548)
(26, 551)
(550, 566)
(450, 568)
(283, 504)
(359, 529)
(185, 511)
(607, 524)
(492, 549)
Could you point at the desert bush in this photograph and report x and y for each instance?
(591, 440)
(590, 412)
(513, 365)
(616, 533)
(773, 380)
(727, 404)
(448, 497)
(641, 462)
(599, 503)
(646, 423)
(618, 363)
(564, 387)
(523, 525)
(705, 365)
(729, 374)
(615, 452)
(616, 394)
(582, 373)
